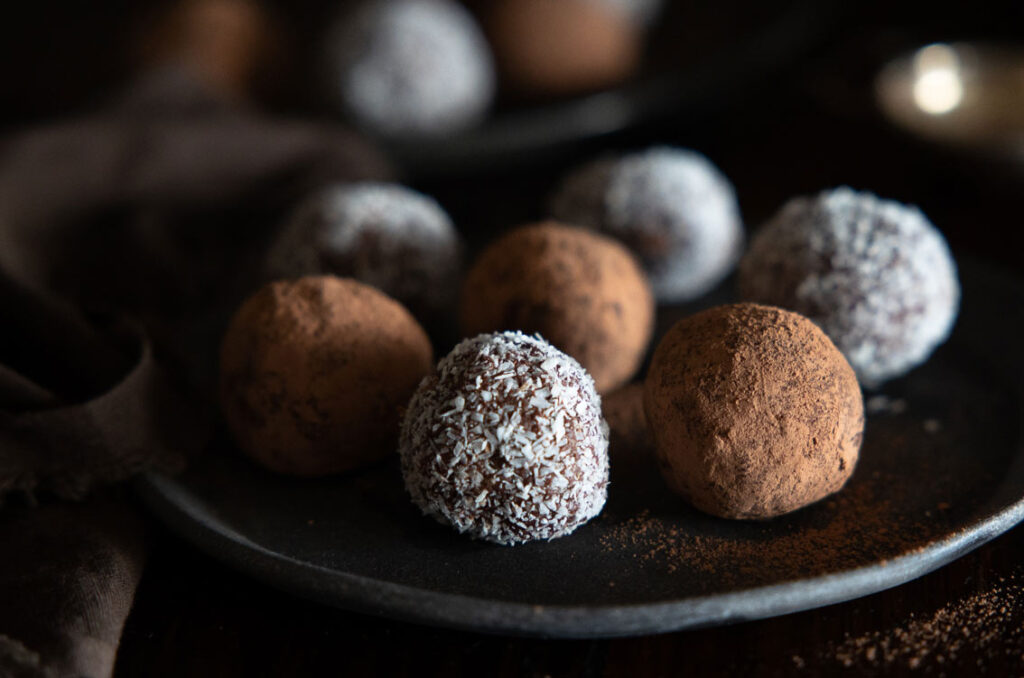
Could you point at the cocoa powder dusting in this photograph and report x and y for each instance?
(583, 292)
(969, 627)
(883, 513)
(754, 412)
(856, 518)
(313, 372)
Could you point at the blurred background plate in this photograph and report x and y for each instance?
(701, 56)
(941, 472)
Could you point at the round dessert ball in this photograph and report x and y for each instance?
(670, 206)
(400, 241)
(874, 274)
(559, 47)
(410, 67)
(581, 291)
(505, 441)
(232, 46)
(314, 372)
(754, 412)
(629, 435)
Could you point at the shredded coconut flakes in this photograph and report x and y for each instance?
(672, 207)
(526, 461)
(411, 67)
(874, 274)
(386, 235)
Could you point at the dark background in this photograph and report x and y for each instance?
(808, 125)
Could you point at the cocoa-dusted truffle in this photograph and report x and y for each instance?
(558, 47)
(313, 373)
(389, 236)
(671, 206)
(630, 437)
(410, 67)
(753, 410)
(505, 441)
(874, 274)
(581, 291)
(232, 46)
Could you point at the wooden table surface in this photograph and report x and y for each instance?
(815, 129)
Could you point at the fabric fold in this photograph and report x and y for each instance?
(126, 239)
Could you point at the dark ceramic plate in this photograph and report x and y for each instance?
(942, 471)
(700, 55)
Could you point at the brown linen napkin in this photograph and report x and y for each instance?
(67, 580)
(156, 210)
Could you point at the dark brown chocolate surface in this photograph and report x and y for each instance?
(754, 411)
(314, 373)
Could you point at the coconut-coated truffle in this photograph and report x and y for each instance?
(410, 67)
(386, 235)
(314, 372)
(505, 441)
(672, 207)
(581, 291)
(874, 274)
(754, 412)
(560, 47)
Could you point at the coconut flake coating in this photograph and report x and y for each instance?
(671, 206)
(505, 441)
(386, 235)
(875, 274)
(410, 67)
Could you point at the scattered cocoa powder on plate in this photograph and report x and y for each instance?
(973, 626)
(854, 518)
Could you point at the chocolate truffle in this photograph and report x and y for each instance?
(558, 47)
(505, 441)
(400, 241)
(630, 437)
(581, 291)
(874, 274)
(671, 206)
(314, 371)
(230, 45)
(753, 410)
(410, 67)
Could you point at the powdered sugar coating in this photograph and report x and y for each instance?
(506, 441)
(411, 67)
(671, 206)
(386, 235)
(874, 274)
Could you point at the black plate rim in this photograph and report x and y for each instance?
(165, 497)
